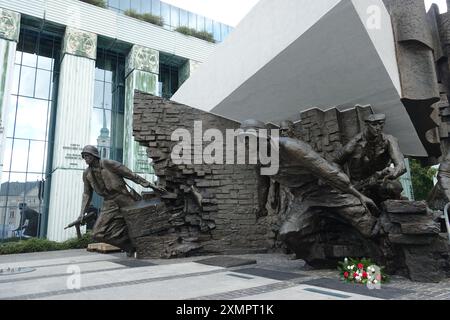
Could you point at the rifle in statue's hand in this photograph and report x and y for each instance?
(81, 221)
(379, 177)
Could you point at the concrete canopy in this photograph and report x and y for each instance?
(291, 55)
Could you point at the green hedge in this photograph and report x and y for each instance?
(204, 35)
(41, 245)
(98, 3)
(147, 17)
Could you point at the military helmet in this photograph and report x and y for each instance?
(378, 117)
(93, 151)
(253, 124)
(286, 125)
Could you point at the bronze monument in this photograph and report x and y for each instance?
(106, 178)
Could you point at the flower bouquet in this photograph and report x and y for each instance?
(362, 271)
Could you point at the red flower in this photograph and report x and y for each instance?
(364, 275)
(360, 266)
(346, 275)
(355, 275)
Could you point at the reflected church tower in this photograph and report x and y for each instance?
(104, 140)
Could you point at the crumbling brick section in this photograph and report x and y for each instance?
(328, 131)
(210, 208)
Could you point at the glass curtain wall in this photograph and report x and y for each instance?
(168, 77)
(36, 72)
(107, 122)
(173, 17)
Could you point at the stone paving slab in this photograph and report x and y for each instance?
(307, 292)
(112, 279)
(181, 288)
(383, 293)
(113, 276)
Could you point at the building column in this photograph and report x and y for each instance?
(72, 130)
(142, 70)
(9, 36)
(186, 71)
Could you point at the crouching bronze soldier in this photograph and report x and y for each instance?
(106, 178)
(374, 161)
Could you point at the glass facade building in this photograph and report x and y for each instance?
(27, 136)
(172, 16)
(38, 172)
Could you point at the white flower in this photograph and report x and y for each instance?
(345, 260)
(375, 281)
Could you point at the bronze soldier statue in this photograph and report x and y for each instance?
(106, 178)
(369, 158)
(287, 129)
(318, 182)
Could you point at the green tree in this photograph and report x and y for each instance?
(422, 180)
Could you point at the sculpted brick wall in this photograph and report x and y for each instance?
(218, 205)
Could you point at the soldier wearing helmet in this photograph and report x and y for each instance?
(287, 129)
(106, 178)
(301, 168)
(374, 161)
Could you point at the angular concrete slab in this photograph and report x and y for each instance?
(289, 56)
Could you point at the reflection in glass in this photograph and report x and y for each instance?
(165, 13)
(29, 59)
(200, 23)
(27, 79)
(217, 32)
(99, 94)
(174, 17)
(43, 83)
(124, 5)
(192, 20)
(209, 25)
(99, 74)
(146, 6)
(37, 157)
(184, 18)
(19, 161)
(107, 103)
(101, 119)
(7, 155)
(114, 3)
(18, 57)
(28, 121)
(31, 119)
(45, 63)
(11, 116)
(136, 5)
(156, 7)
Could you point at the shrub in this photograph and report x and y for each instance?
(147, 17)
(204, 35)
(41, 245)
(98, 3)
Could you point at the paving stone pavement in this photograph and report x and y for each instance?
(272, 277)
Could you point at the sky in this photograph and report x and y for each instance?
(231, 12)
